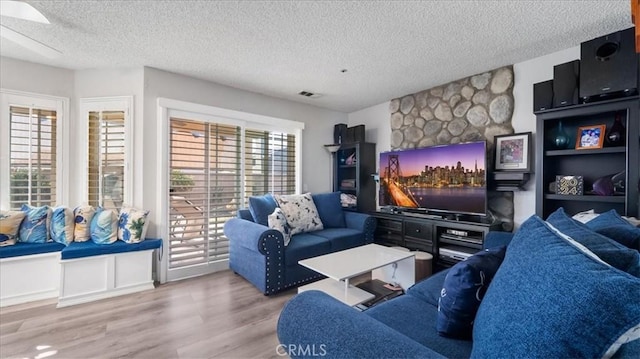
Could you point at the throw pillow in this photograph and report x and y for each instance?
(9, 226)
(463, 290)
(278, 221)
(35, 226)
(612, 225)
(83, 217)
(132, 225)
(302, 214)
(104, 226)
(550, 299)
(330, 209)
(610, 251)
(261, 207)
(62, 225)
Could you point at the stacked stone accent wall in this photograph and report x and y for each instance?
(471, 109)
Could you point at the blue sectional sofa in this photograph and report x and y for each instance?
(258, 253)
(547, 299)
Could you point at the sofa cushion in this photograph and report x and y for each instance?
(416, 319)
(36, 224)
(9, 226)
(83, 217)
(261, 207)
(429, 289)
(132, 224)
(305, 245)
(62, 225)
(104, 226)
(463, 290)
(330, 209)
(612, 225)
(278, 221)
(341, 238)
(551, 300)
(610, 251)
(301, 212)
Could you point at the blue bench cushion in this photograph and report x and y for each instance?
(341, 238)
(25, 249)
(89, 248)
(305, 245)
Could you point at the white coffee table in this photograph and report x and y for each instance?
(386, 264)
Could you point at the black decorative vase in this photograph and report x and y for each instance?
(616, 135)
(561, 139)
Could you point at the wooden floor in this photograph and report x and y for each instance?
(215, 316)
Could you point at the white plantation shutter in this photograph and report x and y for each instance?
(204, 189)
(269, 163)
(106, 164)
(32, 156)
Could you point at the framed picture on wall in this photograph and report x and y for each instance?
(513, 152)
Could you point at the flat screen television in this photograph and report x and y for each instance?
(449, 178)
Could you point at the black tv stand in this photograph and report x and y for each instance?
(455, 234)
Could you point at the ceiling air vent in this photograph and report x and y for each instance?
(308, 94)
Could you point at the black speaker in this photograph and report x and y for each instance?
(340, 133)
(609, 66)
(358, 133)
(565, 83)
(543, 96)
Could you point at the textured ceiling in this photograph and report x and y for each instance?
(278, 48)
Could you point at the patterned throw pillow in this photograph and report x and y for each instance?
(62, 225)
(132, 225)
(35, 226)
(104, 226)
(9, 226)
(83, 216)
(278, 221)
(301, 212)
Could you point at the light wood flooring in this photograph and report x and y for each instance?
(215, 316)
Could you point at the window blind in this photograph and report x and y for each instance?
(32, 156)
(106, 165)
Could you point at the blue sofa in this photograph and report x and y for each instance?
(258, 253)
(313, 323)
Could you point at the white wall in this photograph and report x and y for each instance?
(31, 77)
(376, 118)
(108, 83)
(318, 124)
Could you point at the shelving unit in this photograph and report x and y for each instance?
(354, 165)
(589, 163)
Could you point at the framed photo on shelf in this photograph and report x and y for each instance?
(590, 137)
(513, 152)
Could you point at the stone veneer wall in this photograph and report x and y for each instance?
(471, 109)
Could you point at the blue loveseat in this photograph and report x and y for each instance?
(547, 299)
(258, 253)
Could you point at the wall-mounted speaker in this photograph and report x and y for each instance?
(566, 79)
(340, 133)
(543, 96)
(609, 66)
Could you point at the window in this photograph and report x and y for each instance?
(108, 127)
(216, 159)
(31, 150)
(106, 165)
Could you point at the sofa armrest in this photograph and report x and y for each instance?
(496, 239)
(253, 236)
(314, 323)
(362, 222)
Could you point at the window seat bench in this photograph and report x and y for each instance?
(79, 273)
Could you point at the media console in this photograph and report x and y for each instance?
(449, 240)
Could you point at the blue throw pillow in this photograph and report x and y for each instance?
(261, 207)
(612, 225)
(330, 209)
(550, 299)
(608, 250)
(463, 290)
(35, 226)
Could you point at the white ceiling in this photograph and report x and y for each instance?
(278, 48)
